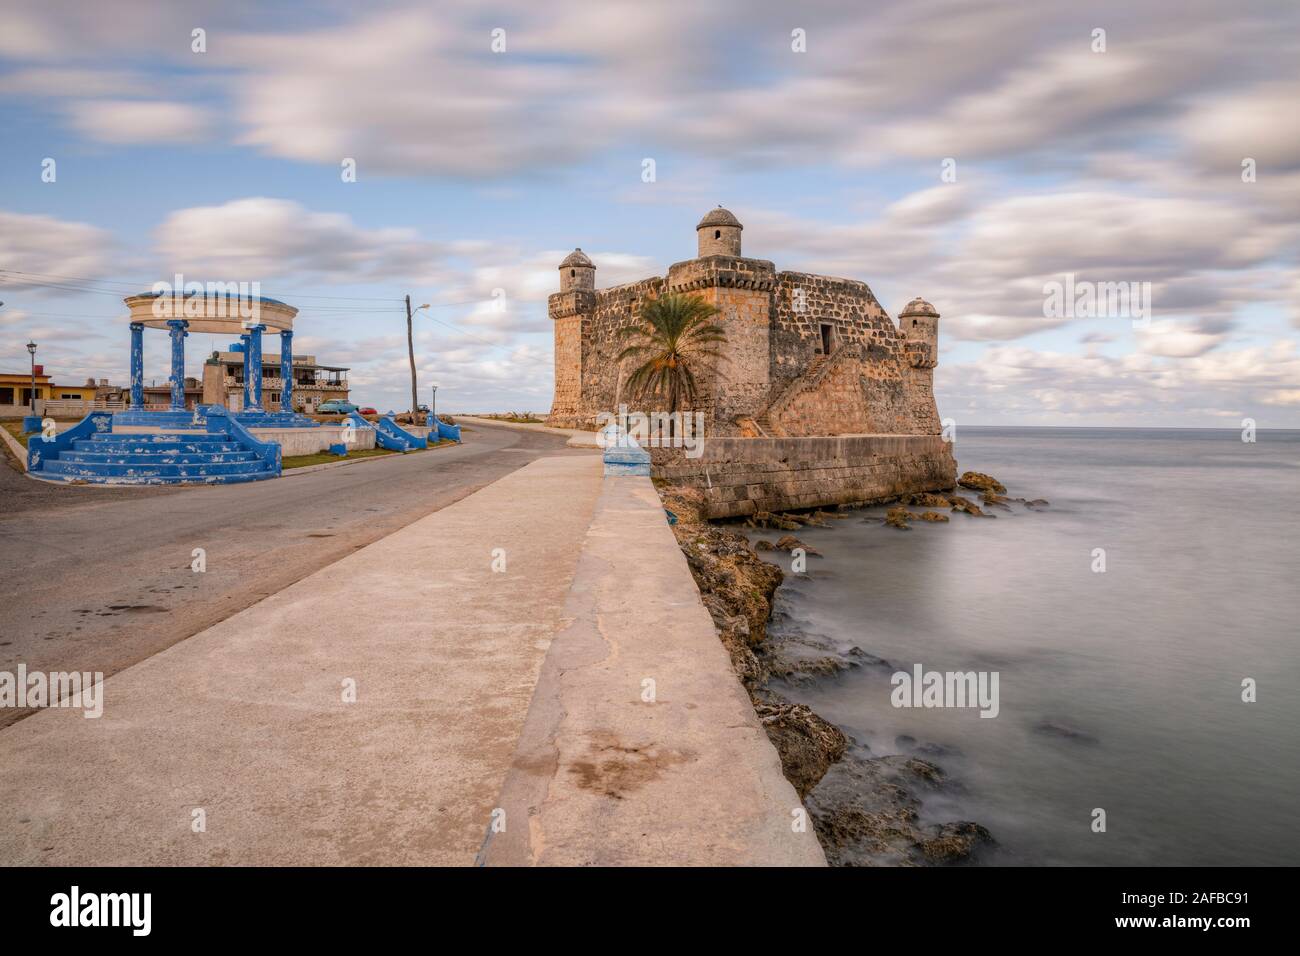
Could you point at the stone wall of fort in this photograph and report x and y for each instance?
(742, 476)
(774, 374)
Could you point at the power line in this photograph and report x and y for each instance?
(70, 284)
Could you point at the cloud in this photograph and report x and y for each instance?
(1261, 122)
(1179, 340)
(44, 247)
(1018, 385)
(262, 239)
(139, 121)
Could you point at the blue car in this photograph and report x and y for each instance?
(335, 406)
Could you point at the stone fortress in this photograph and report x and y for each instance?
(816, 397)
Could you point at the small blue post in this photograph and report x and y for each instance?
(255, 368)
(177, 379)
(286, 370)
(137, 366)
(247, 382)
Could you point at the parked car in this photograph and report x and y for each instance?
(335, 406)
(367, 411)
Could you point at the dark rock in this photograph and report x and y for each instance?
(954, 842)
(789, 542)
(981, 482)
(926, 500)
(866, 812)
(807, 744)
(969, 507)
(898, 517)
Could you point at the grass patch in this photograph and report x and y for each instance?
(16, 429)
(301, 461)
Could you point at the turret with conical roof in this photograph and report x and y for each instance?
(577, 272)
(719, 233)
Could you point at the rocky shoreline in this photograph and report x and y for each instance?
(865, 808)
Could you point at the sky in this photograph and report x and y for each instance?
(972, 153)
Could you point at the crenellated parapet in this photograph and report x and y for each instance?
(721, 272)
(562, 305)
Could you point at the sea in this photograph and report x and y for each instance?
(1144, 626)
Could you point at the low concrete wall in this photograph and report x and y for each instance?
(293, 441)
(741, 476)
(604, 775)
(313, 441)
(415, 431)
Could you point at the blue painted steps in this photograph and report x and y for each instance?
(390, 435)
(220, 451)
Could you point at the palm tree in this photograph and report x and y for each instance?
(671, 344)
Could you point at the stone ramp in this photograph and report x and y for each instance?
(247, 722)
(641, 746)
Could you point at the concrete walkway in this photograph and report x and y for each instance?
(575, 709)
(247, 721)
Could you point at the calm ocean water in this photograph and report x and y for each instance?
(1144, 663)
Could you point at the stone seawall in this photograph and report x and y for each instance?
(741, 476)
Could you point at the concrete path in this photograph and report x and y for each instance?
(578, 438)
(246, 721)
(641, 746)
(100, 578)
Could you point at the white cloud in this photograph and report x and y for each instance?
(1178, 340)
(260, 238)
(46, 246)
(139, 121)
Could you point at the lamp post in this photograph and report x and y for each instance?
(410, 349)
(433, 403)
(31, 347)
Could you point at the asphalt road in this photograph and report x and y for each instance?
(95, 579)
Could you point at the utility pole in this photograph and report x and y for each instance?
(410, 348)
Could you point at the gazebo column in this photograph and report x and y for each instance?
(248, 390)
(137, 367)
(286, 370)
(255, 365)
(178, 333)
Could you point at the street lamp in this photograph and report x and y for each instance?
(433, 403)
(31, 347)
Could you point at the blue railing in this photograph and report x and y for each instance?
(438, 430)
